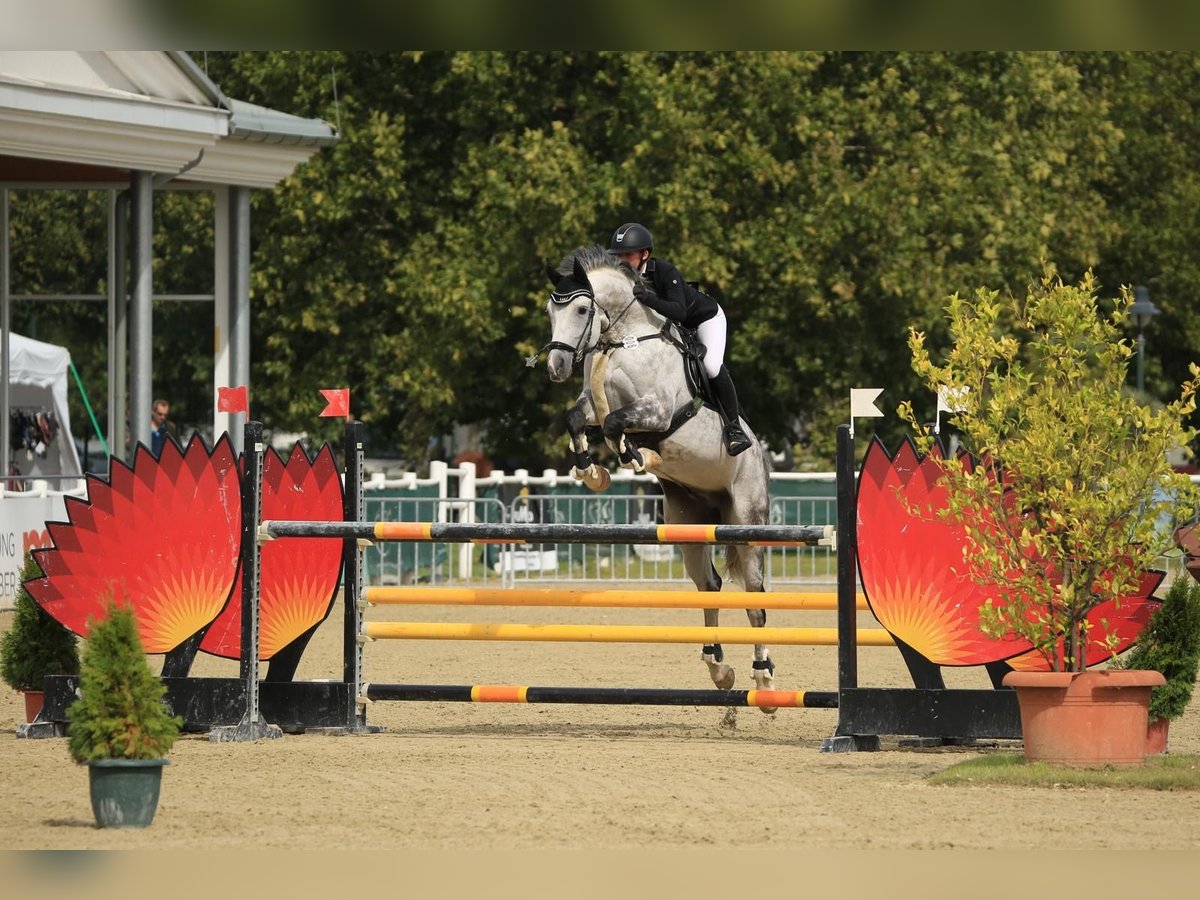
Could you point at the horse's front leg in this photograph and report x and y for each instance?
(583, 468)
(643, 414)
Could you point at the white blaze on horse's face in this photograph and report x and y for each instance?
(571, 324)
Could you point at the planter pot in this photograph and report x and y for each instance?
(1156, 736)
(1084, 718)
(33, 704)
(125, 791)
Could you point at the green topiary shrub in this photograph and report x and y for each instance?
(120, 712)
(36, 645)
(1170, 644)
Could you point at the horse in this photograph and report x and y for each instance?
(636, 390)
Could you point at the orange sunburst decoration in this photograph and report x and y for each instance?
(911, 563)
(913, 575)
(298, 576)
(163, 536)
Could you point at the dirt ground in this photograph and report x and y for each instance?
(502, 777)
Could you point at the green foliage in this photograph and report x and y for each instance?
(1064, 508)
(825, 198)
(1170, 644)
(120, 712)
(36, 645)
(829, 199)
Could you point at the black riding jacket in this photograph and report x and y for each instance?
(677, 300)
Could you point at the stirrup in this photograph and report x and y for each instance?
(736, 440)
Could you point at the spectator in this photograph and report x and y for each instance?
(160, 426)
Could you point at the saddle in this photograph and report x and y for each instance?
(693, 365)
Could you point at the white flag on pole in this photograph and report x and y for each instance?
(951, 399)
(862, 405)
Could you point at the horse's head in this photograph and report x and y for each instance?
(575, 321)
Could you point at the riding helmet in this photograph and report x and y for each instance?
(631, 236)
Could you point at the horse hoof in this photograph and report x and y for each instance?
(650, 460)
(764, 682)
(596, 478)
(723, 676)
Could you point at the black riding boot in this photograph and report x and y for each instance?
(736, 440)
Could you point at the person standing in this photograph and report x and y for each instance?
(160, 426)
(680, 302)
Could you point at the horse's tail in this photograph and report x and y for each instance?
(744, 563)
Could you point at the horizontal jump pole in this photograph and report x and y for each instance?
(509, 693)
(519, 533)
(617, 634)
(623, 599)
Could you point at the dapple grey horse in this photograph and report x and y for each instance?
(636, 390)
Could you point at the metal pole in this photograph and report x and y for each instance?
(141, 319)
(847, 555)
(354, 508)
(118, 323)
(252, 726)
(239, 295)
(1141, 361)
(5, 325)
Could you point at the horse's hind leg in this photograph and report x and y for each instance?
(697, 560)
(679, 506)
(746, 570)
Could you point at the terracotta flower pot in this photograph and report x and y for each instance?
(1091, 718)
(1156, 736)
(33, 704)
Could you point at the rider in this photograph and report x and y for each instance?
(682, 303)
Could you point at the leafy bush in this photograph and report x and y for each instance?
(36, 645)
(120, 712)
(1170, 644)
(1063, 511)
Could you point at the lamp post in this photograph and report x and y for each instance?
(1143, 310)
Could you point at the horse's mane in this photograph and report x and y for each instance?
(593, 258)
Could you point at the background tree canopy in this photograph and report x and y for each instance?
(829, 200)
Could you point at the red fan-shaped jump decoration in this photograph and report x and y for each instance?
(911, 568)
(1125, 622)
(163, 536)
(298, 576)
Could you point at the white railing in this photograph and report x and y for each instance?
(453, 494)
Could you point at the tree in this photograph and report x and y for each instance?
(1062, 509)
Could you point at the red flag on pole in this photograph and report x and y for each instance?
(338, 403)
(233, 399)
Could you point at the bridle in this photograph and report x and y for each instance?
(579, 351)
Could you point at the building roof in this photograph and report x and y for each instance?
(143, 110)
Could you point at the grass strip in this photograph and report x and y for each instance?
(1160, 773)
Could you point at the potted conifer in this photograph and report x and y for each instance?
(1062, 510)
(35, 646)
(1170, 644)
(119, 726)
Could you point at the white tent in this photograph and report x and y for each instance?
(38, 383)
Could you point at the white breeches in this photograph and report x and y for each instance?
(712, 336)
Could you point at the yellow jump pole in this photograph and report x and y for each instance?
(617, 634)
(626, 599)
